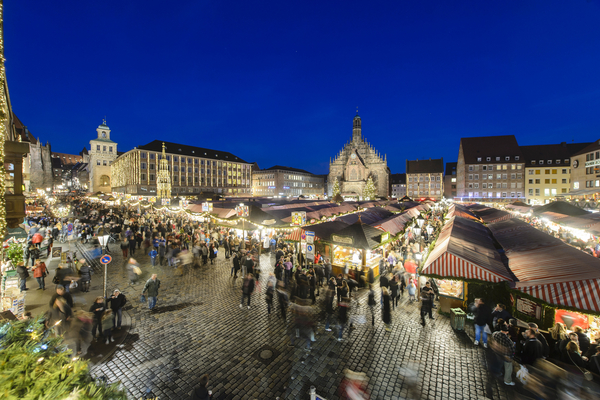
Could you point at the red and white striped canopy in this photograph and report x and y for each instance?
(295, 235)
(584, 295)
(465, 249)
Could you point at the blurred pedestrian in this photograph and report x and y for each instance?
(343, 313)
(151, 287)
(247, 289)
(386, 313)
(97, 309)
(39, 273)
(269, 296)
(107, 326)
(85, 274)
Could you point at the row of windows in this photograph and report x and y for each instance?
(591, 170)
(264, 176)
(513, 185)
(423, 193)
(183, 169)
(549, 162)
(547, 192)
(548, 171)
(110, 148)
(592, 157)
(589, 184)
(215, 181)
(547, 181)
(498, 167)
(506, 158)
(498, 176)
(190, 160)
(495, 194)
(423, 179)
(416, 186)
(103, 162)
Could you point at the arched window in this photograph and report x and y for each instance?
(104, 180)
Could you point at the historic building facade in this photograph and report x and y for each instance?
(102, 153)
(425, 178)
(287, 182)
(193, 170)
(355, 163)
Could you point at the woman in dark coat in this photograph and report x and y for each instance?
(386, 313)
(211, 252)
(394, 292)
(85, 276)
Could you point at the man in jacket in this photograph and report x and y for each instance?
(532, 350)
(23, 275)
(504, 348)
(483, 315)
(151, 287)
(247, 289)
(117, 301)
(542, 339)
(85, 273)
(61, 292)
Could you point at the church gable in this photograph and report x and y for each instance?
(355, 168)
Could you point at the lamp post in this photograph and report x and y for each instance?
(429, 230)
(417, 232)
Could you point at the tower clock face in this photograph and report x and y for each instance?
(353, 155)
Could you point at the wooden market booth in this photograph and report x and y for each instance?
(464, 252)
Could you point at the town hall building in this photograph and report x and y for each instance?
(353, 165)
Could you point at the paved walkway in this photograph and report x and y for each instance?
(199, 328)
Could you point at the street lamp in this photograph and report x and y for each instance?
(420, 220)
(417, 232)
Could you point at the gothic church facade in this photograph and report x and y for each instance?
(353, 165)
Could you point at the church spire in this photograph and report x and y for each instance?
(356, 128)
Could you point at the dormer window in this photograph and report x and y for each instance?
(516, 158)
(488, 159)
(558, 161)
(507, 158)
(541, 162)
(478, 159)
(497, 158)
(567, 160)
(532, 162)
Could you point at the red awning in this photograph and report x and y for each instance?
(294, 236)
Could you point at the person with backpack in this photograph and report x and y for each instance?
(117, 302)
(247, 289)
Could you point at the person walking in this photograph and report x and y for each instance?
(394, 292)
(425, 306)
(153, 253)
(108, 325)
(23, 275)
(284, 301)
(125, 248)
(133, 271)
(132, 243)
(39, 273)
(483, 315)
(505, 350)
(247, 289)
(532, 349)
(343, 312)
(151, 287)
(269, 296)
(85, 273)
(386, 313)
(117, 302)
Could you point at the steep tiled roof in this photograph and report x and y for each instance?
(490, 146)
(551, 151)
(595, 146)
(191, 151)
(425, 166)
(279, 167)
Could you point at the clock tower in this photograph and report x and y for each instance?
(103, 152)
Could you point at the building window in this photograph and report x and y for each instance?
(103, 148)
(98, 162)
(564, 181)
(547, 181)
(479, 159)
(175, 168)
(537, 181)
(103, 162)
(516, 158)
(532, 162)
(531, 181)
(558, 161)
(152, 156)
(151, 166)
(490, 185)
(541, 162)
(110, 149)
(470, 168)
(497, 158)
(151, 177)
(531, 192)
(143, 165)
(488, 159)
(143, 155)
(507, 158)
(143, 177)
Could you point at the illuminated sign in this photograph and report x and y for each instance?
(342, 239)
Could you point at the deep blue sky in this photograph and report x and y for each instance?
(278, 82)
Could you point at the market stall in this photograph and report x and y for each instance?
(356, 247)
(464, 251)
(548, 269)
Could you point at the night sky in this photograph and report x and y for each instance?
(278, 82)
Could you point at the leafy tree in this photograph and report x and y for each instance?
(369, 192)
(15, 253)
(36, 365)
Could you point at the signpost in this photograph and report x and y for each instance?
(310, 252)
(105, 259)
(310, 237)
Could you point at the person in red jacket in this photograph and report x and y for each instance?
(39, 273)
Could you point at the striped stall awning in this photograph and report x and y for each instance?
(583, 295)
(295, 235)
(452, 266)
(465, 250)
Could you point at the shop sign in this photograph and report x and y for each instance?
(310, 237)
(286, 187)
(299, 218)
(529, 308)
(242, 211)
(342, 239)
(56, 252)
(385, 237)
(207, 207)
(152, 200)
(165, 202)
(592, 163)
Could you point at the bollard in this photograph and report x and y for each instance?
(313, 393)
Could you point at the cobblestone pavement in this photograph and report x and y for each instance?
(199, 328)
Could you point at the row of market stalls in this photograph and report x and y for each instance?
(355, 234)
(543, 278)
